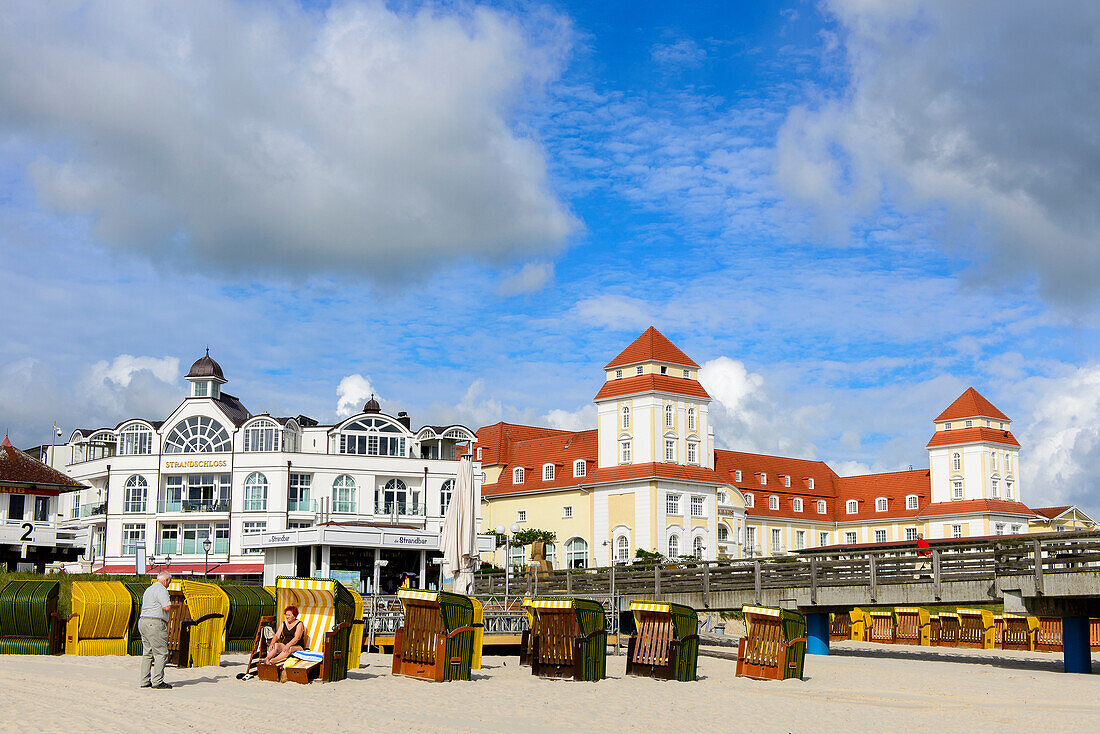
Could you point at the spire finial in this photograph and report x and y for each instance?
(207, 350)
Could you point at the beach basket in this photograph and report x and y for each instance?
(355, 639)
(882, 627)
(29, 624)
(665, 641)
(1019, 632)
(1094, 634)
(998, 629)
(570, 639)
(247, 604)
(528, 635)
(861, 625)
(100, 619)
(912, 626)
(948, 635)
(136, 590)
(437, 639)
(775, 648)
(840, 626)
(196, 623)
(976, 629)
(326, 608)
(1048, 638)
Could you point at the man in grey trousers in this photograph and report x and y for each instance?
(153, 625)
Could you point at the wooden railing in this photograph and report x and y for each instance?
(963, 560)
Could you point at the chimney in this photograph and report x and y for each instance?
(403, 419)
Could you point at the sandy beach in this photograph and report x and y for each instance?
(861, 687)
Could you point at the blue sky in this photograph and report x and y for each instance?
(846, 211)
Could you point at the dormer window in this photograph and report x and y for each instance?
(638, 370)
(737, 475)
(821, 507)
(947, 426)
(479, 453)
(773, 502)
(968, 424)
(763, 478)
(687, 376)
(911, 502)
(579, 468)
(796, 504)
(880, 504)
(547, 472)
(988, 424)
(810, 483)
(750, 500)
(787, 480)
(852, 507)
(517, 475)
(664, 369)
(618, 374)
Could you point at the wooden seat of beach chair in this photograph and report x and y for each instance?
(998, 629)
(100, 619)
(976, 629)
(949, 629)
(665, 641)
(912, 626)
(774, 647)
(29, 624)
(436, 641)
(840, 626)
(325, 609)
(570, 639)
(1048, 638)
(1019, 632)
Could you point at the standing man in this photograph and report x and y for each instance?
(924, 552)
(153, 625)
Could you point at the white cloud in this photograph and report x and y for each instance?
(353, 391)
(582, 419)
(122, 369)
(530, 278)
(746, 417)
(255, 136)
(1061, 440)
(985, 110)
(682, 52)
(615, 312)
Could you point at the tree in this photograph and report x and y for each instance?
(527, 536)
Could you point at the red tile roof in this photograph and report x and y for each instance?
(496, 441)
(978, 434)
(971, 404)
(894, 486)
(561, 449)
(969, 506)
(647, 383)
(651, 346)
(1051, 512)
(18, 469)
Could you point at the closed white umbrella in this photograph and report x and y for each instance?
(460, 556)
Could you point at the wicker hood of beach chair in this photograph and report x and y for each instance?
(247, 604)
(355, 639)
(326, 608)
(136, 589)
(202, 629)
(100, 619)
(665, 641)
(569, 639)
(29, 624)
(775, 647)
(437, 639)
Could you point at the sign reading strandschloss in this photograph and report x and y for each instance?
(196, 464)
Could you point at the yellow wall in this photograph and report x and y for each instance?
(544, 511)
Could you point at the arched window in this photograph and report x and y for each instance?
(373, 437)
(395, 494)
(517, 475)
(773, 502)
(255, 492)
(137, 490)
(579, 468)
(723, 533)
(547, 472)
(135, 439)
(880, 504)
(550, 550)
(576, 553)
(956, 461)
(622, 548)
(445, 494)
(262, 435)
(668, 416)
(852, 507)
(197, 435)
(993, 460)
(796, 504)
(343, 494)
(698, 547)
(626, 417)
(911, 501)
(673, 546)
(691, 419)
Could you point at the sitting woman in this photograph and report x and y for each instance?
(289, 638)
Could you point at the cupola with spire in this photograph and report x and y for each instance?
(372, 405)
(206, 377)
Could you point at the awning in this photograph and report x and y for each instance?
(215, 569)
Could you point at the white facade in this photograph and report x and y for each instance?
(213, 471)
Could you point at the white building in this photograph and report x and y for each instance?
(213, 471)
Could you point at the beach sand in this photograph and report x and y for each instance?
(861, 687)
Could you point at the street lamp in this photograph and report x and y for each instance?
(206, 550)
(507, 557)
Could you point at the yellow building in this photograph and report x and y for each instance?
(648, 477)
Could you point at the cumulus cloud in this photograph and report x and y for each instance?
(746, 417)
(1061, 440)
(982, 110)
(615, 312)
(582, 419)
(681, 52)
(122, 369)
(352, 392)
(528, 279)
(254, 136)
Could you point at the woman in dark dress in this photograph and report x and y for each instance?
(289, 638)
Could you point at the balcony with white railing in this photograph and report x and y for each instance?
(193, 505)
